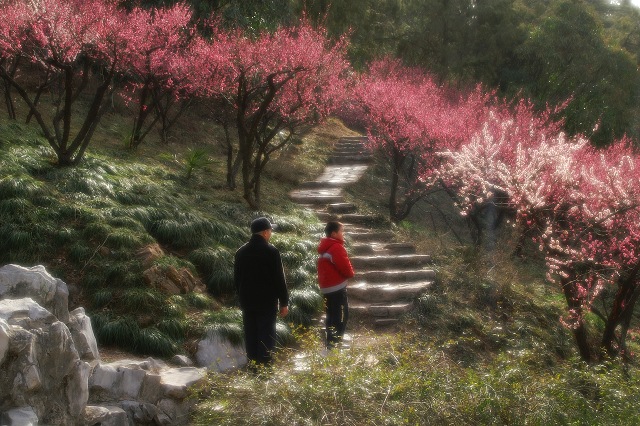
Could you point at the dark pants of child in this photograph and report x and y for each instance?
(337, 316)
(259, 334)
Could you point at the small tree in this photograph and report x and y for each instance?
(592, 245)
(275, 85)
(14, 20)
(77, 46)
(478, 181)
(580, 205)
(410, 118)
(157, 74)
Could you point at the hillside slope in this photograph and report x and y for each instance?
(146, 249)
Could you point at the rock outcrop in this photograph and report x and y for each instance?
(51, 372)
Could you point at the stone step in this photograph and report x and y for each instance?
(350, 142)
(349, 159)
(325, 217)
(382, 249)
(350, 150)
(353, 148)
(356, 236)
(385, 293)
(379, 310)
(342, 175)
(361, 249)
(361, 219)
(408, 276)
(400, 248)
(384, 322)
(355, 153)
(315, 198)
(354, 138)
(390, 261)
(316, 184)
(342, 208)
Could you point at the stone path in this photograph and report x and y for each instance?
(390, 275)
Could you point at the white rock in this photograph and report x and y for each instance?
(83, 336)
(172, 413)
(4, 339)
(121, 380)
(131, 382)
(140, 412)
(18, 282)
(105, 415)
(25, 312)
(182, 361)
(23, 416)
(78, 388)
(31, 378)
(177, 381)
(104, 377)
(218, 354)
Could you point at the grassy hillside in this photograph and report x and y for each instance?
(484, 347)
(101, 225)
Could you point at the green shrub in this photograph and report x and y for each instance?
(284, 336)
(17, 208)
(195, 159)
(199, 300)
(22, 186)
(141, 299)
(118, 331)
(172, 327)
(232, 331)
(102, 298)
(151, 341)
(216, 266)
(79, 252)
(304, 305)
(125, 238)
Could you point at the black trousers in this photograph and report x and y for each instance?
(337, 315)
(259, 334)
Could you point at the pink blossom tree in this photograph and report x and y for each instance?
(14, 20)
(492, 160)
(77, 46)
(592, 246)
(157, 73)
(410, 118)
(209, 83)
(580, 205)
(275, 85)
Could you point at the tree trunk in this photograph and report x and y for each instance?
(623, 306)
(139, 119)
(397, 159)
(245, 151)
(11, 110)
(580, 332)
(234, 162)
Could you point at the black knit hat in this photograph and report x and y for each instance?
(260, 224)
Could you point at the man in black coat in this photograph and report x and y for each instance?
(262, 290)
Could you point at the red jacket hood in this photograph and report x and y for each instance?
(326, 243)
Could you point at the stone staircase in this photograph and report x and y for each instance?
(390, 275)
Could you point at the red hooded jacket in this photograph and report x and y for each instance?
(334, 266)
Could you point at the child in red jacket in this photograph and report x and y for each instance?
(334, 269)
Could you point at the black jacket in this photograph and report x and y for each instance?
(259, 276)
